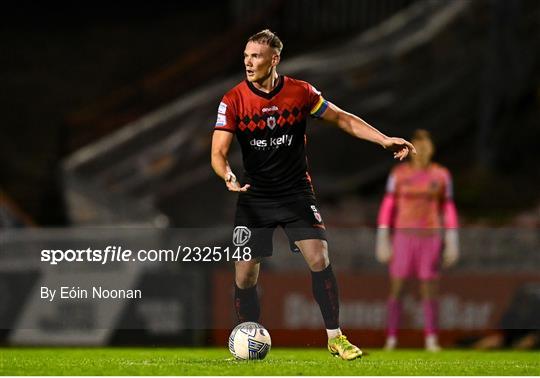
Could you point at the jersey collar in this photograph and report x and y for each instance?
(272, 93)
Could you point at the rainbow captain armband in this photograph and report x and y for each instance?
(319, 108)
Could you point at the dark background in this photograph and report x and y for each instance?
(74, 73)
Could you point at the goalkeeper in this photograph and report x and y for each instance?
(417, 205)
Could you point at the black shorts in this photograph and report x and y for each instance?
(257, 218)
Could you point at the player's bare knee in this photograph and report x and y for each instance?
(396, 296)
(396, 289)
(246, 273)
(428, 289)
(246, 280)
(315, 253)
(318, 262)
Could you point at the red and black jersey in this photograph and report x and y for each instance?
(271, 130)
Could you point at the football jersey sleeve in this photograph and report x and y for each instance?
(448, 186)
(450, 216)
(316, 102)
(226, 118)
(388, 205)
(391, 183)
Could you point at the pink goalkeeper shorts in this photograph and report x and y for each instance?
(415, 256)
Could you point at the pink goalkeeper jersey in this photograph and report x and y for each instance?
(421, 198)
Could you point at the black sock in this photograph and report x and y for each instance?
(246, 304)
(325, 291)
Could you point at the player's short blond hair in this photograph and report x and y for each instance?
(269, 38)
(422, 134)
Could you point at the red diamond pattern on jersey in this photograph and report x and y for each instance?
(281, 118)
(270, 129)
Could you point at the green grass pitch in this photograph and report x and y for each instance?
(280, 361)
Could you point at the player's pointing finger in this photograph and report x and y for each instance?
(411, 147)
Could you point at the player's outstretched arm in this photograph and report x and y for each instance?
(221, 142)
(359, 128)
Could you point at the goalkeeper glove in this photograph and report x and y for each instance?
(383, 246)
(451, 247)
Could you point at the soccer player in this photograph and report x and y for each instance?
(418, 204)
(267, 112)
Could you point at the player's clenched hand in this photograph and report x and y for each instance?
(383, 246)
(233, 185)
(451, 248)
(399, 146)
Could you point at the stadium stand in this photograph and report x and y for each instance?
(146, 161)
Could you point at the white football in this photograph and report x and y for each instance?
(249, 341)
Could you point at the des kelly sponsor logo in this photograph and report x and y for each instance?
(284, 140)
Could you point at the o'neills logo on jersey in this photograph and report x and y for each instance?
(272, 108)
(261, 144)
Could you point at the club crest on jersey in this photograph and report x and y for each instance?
(271, 122)
(241, 235)
(316, 214)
